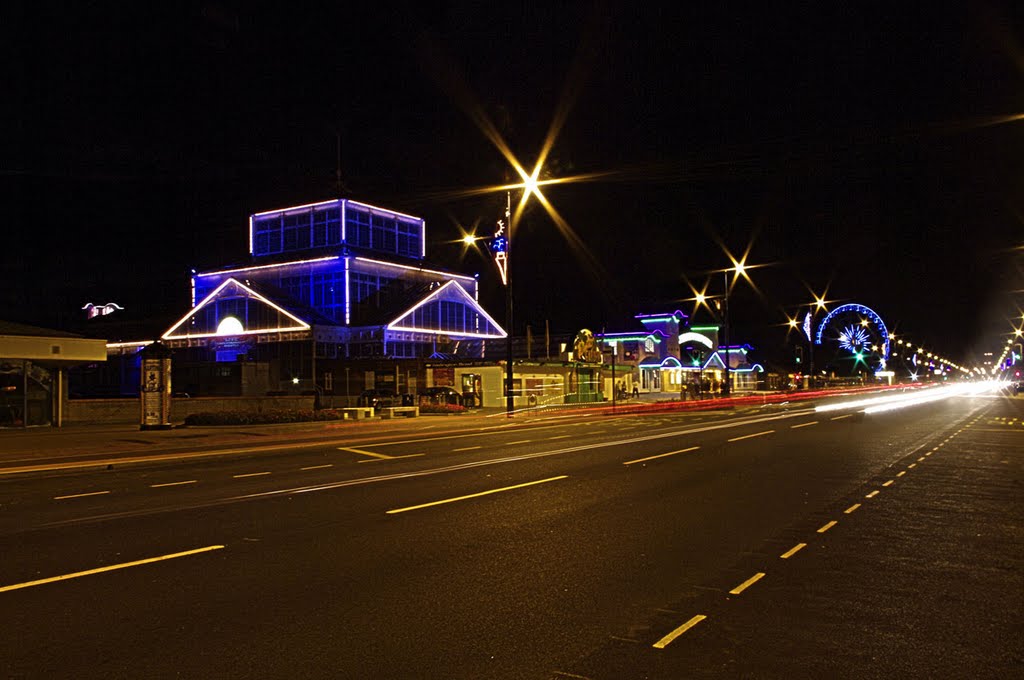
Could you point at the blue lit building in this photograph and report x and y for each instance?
(332, 281)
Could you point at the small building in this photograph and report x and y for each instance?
(33, 372)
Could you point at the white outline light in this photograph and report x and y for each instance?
(209, 298)
(472, 303)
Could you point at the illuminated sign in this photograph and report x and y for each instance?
(92, 311)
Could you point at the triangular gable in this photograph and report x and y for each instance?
(716, 360)
(254, 313)
(449, 310)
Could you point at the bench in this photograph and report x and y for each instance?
(406, 411)
(357, 412)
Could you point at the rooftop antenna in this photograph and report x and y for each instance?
(339, 183)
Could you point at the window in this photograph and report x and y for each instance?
(363, 286)
(295, 232)
(267, 231)
(409, 243)
(357, 227)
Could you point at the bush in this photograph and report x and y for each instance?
(263, 418)
(442, 408)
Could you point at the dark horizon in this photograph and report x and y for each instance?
(872, 154)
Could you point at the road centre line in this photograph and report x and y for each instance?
(561, 436)
(522, 441)
(317, 467)
(749, 436)
(467, 448)
(845, 415)
(901, 473)
(852, 508)
(872, 494)
(158, 486)
(889, 483)
(661, 455)
(80, 495)
(921, 459)
(813, 422)
(667, 640)
(746, 584)
(792, 551)
(826, 527)
(912, 466)
(476, 495)
(250, 474)
(112, 567)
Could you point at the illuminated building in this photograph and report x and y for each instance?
(331, 281)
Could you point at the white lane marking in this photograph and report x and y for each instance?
(318, 467)
(80, 495)
(250, 474)
(750, 436)
(661, 455)
(475, 495)
(667, 640)
(158, 486)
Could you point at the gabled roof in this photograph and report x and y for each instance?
(438, 313)
(194, 325)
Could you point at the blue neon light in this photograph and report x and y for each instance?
(860, 309)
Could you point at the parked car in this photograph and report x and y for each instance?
(440, 395)
(377, 398)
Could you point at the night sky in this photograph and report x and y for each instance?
(861, 147)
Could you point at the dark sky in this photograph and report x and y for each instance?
(855, 146)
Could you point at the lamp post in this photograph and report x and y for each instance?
(726, 387)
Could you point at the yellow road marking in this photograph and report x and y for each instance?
(748, 436)
(475, 495)
(157, 486)
(852, 508)
(813, 422)
(872, 494)
(845, 415)
(921, 459)
(561, 436)
(660, 455)
(250, 474)
(828, 526)
(317, 467)
(80, 495)
(889, 483)
(901, 473)
(746, 584)
(792, 551)
(522, 441)
(667, 640)
(100, 570)
(364, 453)
(467, 448)
(377, 460)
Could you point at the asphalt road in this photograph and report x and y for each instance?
(583, 547)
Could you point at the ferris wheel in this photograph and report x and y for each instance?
(857, 337)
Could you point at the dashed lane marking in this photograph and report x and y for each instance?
(158, 486)
(828, 526)
(845, 415)
(661, 455)
(813, 422)
(475, 495)
(852, 508)
(667, 640)
(792, 551)
(750, 436)
(746, 584)
(385, 458)
(318, 467)
(467, 448)
(521, 441)
(112, 567)
(80, 495)
(889, 483)
(364, 453)
(872, 494)
(901, 473)
(250, 474)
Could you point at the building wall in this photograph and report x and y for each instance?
(126, 411)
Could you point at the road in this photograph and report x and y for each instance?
(777, 542)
